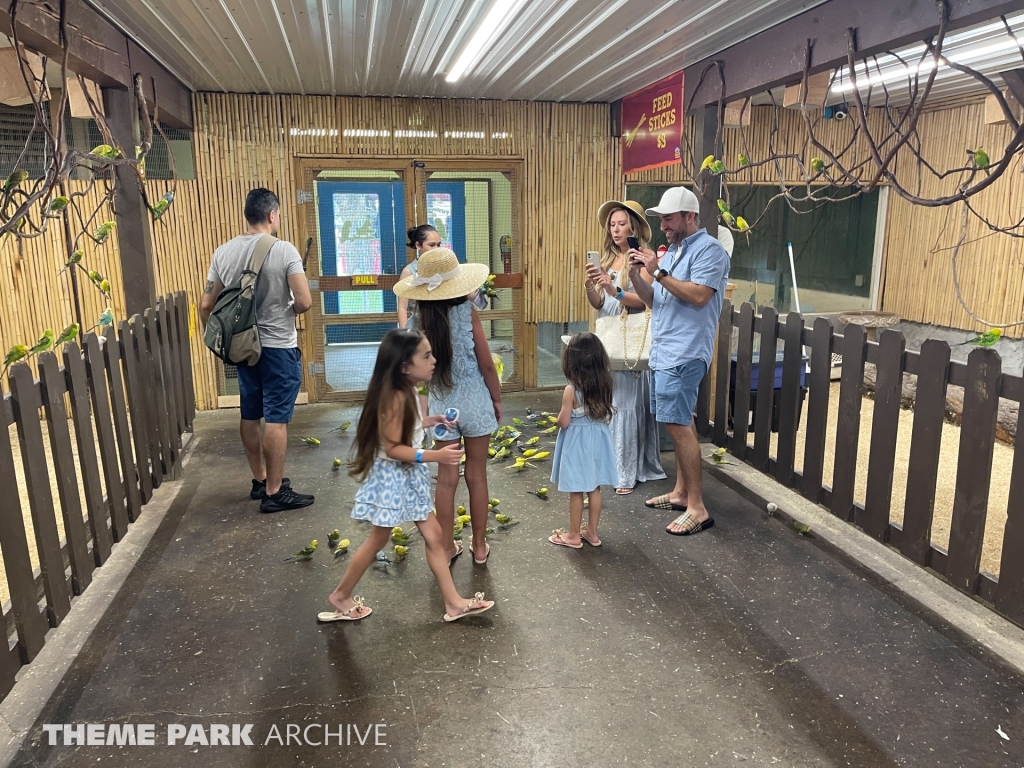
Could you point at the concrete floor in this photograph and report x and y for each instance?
(745, 645)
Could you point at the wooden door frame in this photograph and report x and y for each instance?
(413, 170)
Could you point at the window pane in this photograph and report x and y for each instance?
(439, 214)
(357, 241)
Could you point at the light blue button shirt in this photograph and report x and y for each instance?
(682, 331)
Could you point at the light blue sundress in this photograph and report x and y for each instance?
(634, 428)
(469, 393)
(584, 456)
(395, 491)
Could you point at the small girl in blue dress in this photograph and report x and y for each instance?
(395, 480)
(584, 454)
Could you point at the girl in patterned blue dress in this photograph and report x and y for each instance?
(465, 379)
(395, 481)
(584, 457)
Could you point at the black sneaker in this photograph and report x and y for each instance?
(285, 499)
(259, 488)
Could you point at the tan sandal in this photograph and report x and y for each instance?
(556, 538)
(346, 615)
(584, 537)
(479, 598)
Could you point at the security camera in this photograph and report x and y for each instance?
(837, 112)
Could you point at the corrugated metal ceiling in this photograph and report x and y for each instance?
(552, 50)
(987, 48)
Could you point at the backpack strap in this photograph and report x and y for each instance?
(260, 253)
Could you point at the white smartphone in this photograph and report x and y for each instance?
(594, 259)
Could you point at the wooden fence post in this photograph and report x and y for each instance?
(104, 431)
(53, 389)
(765, 389)
(122, 432)
(844, 475)
(26, 401)
(720, 433)
(885, 422)
(925, 447)
(792, 365)
(974, 468)
(81, 410)
(137, 408)
(817, 408)
(21, 584)
(744, 366)
(1010, 593)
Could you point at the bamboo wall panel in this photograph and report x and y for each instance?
(571, 166)
(917, 280)
(918, 267)
(33, 297)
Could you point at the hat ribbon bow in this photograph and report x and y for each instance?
(433, 281)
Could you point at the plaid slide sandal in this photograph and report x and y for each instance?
(663, 502)
(690, 525)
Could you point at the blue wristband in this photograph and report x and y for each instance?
(419, 456)
(620, 294)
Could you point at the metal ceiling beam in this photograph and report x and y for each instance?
(777, 56)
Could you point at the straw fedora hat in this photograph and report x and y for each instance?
(441, 276)
(637, 216)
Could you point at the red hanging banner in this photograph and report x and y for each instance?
(652, 125)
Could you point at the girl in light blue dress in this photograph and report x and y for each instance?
(392, 468)
(584, 457)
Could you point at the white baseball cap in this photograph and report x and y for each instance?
(674, 200)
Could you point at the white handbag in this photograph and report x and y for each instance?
(626, 339)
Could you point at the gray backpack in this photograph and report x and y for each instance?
(231, 331)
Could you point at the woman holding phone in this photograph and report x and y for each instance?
(634, 429)
(421, 239)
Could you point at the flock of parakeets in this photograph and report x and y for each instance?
(100, 235)
(506, 441)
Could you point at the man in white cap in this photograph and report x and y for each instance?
(686, 301)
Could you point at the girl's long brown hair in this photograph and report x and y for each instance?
(433, 321)
(389, 388)
(585, 365)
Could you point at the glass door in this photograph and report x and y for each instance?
(361, 227)
(357, 212)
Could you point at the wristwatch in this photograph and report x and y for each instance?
(660, 274)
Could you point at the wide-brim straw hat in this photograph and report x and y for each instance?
(632, 207)
(440, 276)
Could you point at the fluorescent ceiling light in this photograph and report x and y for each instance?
(495, 18)
(894, 72)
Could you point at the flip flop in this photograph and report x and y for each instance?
(663, 502)
(458, 551)
(327, 616)
(556, 538)
(623, 491)
(691, 525)
(583, 537)
(479, 596)
(486, 555)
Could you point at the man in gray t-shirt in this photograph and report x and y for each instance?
(267, 389)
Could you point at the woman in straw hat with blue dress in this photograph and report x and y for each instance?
(465, 378)
(634, 429)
